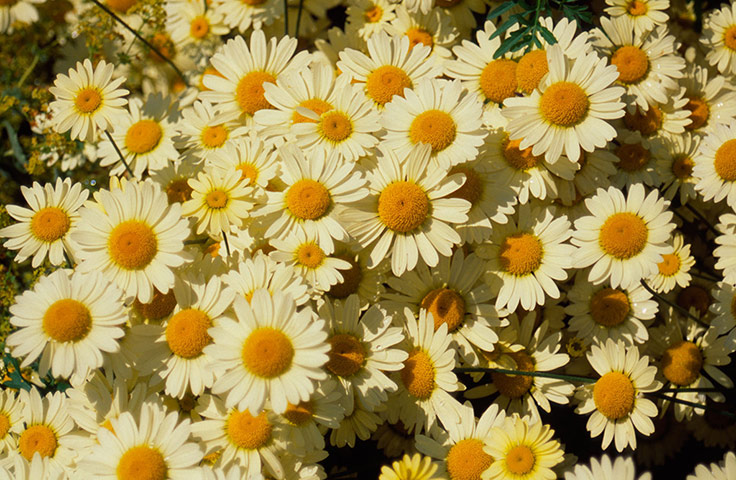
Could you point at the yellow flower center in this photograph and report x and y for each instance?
(385, 82)
(159, 307)
(187, 334)
(132, 245)
(316, 105)
(164, 44)
(681, 363)
(67, 320)
(530, 70)
(4, 425)
(694, 296)
(564, 104)
(142, 463)
(446, 306)
(520, 460)
(434, 127)
(310, 255)
(267, 352)
(199, 27)
(632, 156)
(50, 224)
(419, 35)
(248, 432)
(418, 374)
(632, 64)
(347, 354)
(519, 159)
(613, 395)
(308, 199)
(515, 386)
(373, 14)
(88, 100)
(299, 414)
(351, 279)
(214, 136)
(216, 199)
(466, 460)
(521, 254)
(637, 8)
(669, 265)
(699, 112)
(682, 167)
(472, 189)
(729, 37)
(403, 206)
(249, 92)
(647, 123)
(37, 438)
(725, 162)
(498, 80)
(121, 6)
(178, 191)
(143, 136)
(248, 171)
(623, 235)
(609, 307)
(335, 126)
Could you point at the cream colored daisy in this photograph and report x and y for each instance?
(719, 37)
(68, 320)
(710, 100)
(724, 253)
(134, 237)
(674, 267)
(406, 214)
(433, 29)
(202, 133)
(244, 16)
(11, 423)
(19, 13)
(256, 161)
(723, 307)
(415, 467)
(622, 468)
(645, 15)
(271, 352)
(723, 470)
(45, 228)
(262, 272)
(570, 110)
(367, 283)
(87, 99)
(366, 18)
(624, 238)
(616, 398)
(668, 119)
(174, 180)
(37, 467)
(715, 164)
(595, 170)
(194, 23)
(637, 159)
(359, 424)
(675, 167)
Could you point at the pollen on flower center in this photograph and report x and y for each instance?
(669, 265)
(143, 136)
(385, 82)
(446, 306)
(434, 127)
(249, 92)
(682, 362)
(351, 279)
(299, 414)
(159, 307)
(466, 460)
(520, 460)
(88, 100)
(214, 136)
(179, 191)
(418, 374)
(335, 126)
(121, 6)
(515, 386)
(472, 189)
(310, 255)
(682, 167)
(248, 432)
(308, 199)
(517, 158)
(521, 254)
(316, 105)
(632, 64)
(142, 463)
(37, 438)
(623, 235)
(267, 352)
(613, 395)
(498, 80)
(216, 199)
(50, 224)
(637, 8)
(347, 354)
(530, 70)
(199, 27)
(725, 161)
(4, 425)
(132, 245)
(403, 206)
(647, 123)
(632, 156)
(419, 35)
(67, 320)
(609, 307)
(699, 112)
(729, 37)
(564, 104)
(186, 333)
(373, 14)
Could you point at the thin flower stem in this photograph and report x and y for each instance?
(28, 71)
(196, 241)
(120, 154)
(558, 376)
(702, 219)
(227, 245)
(697, 390)
(299, 18)
(139, 37)
(703, 276)
(691, 404)
(672, 304)
(286, 18)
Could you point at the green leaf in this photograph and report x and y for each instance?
(505, 26)
(547, 35)
(500, 10)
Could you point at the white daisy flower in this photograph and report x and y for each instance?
(433, 29)
(645, 15)
(595, 170)
(715, 164)
(674, 267)
(256, 161)
(202, 133)
(724, 253)
(415, 467)
(21, 11)
(719, 37)
(637, 158)
(11, 422)
(367, 18)
(622, 468)
(193, 23)
(710, 100)
(253, 14)
(367, 283)
(361, 423)
(675, 167)
(718, 471)
(37, 467)
(174, 180)
(262, 272)
(723, 307)
(668, 119)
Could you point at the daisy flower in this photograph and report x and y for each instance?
(246, 15)
(724, 253)
(645, 15)
(367, 18)
(68, 319)
(174, 180)
(45, 228)
(440, 114)
(21, 11)
(710, 100)
(718, 471)
(37, 467)
(624, 238)
(220, 201)
(646, 61)
(405, 214)
(202, 133)
(433, 29)
(238, 91)
(262, 272)
(271, 352)
(362, 348)
(637, 158)
(674, 267)
(622, 468)
(415, 467)
(570, 109)
(144, 137)
(667, 119)
(719, 37)
(360, 424)
(86, 100)
(426, 379)
(367, 283)
(595, 170)
(152, 444)
(675, 167)
(616, 398)
(192, 23)
(391, 66)
(11, 423)
(715, 164)
(723, 307)
(522, 451)
(256, 161)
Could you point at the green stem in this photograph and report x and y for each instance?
(120, 154)
(28, 70)
(299, 18)
(557, 376)
(227, 245)
(196, 241)
(691, 404)
(698, 390)
(702, 219)
(286, 18)
(672, 304)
